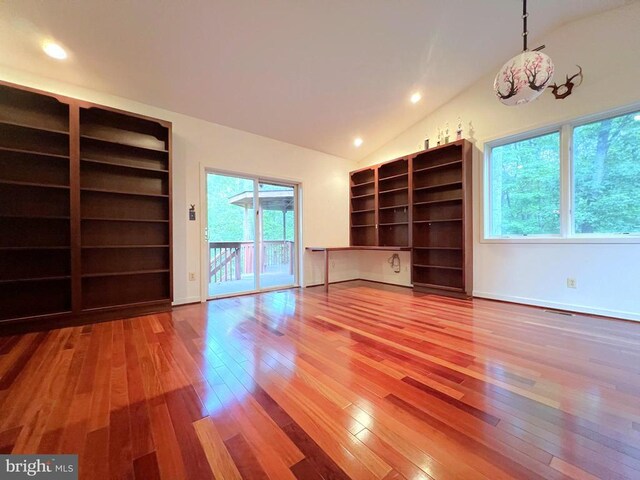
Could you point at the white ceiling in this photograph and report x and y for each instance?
(315, 73)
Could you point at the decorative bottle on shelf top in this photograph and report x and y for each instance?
(439, 136)
(446, 133)
(471, 132)
(459, 130)
(426, 143)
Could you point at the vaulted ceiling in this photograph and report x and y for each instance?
(315, 73)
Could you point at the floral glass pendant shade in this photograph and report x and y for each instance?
(524, 77)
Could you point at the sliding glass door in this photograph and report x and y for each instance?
(231, 234)
(277, 235)
(251, 234)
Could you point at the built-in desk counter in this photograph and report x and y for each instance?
(326, 251)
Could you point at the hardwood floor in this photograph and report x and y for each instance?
(361, 383)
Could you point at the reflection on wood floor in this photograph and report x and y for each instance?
(365, 382)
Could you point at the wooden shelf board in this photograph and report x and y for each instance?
(38, 217)
(120, 165)
(440, 185)
(33, 184)
(123, 246)
(122, 144)
(439, 221)
(136, 220)
(437, 248)
(402, 205)
(34, 152)
(363, 184)
(118, 192)
(37, 248)
(33, 127)
(354, 197)
(436, 167)
(364, 211)
(118, 274)
(39, 279)
(431, 202)
(362, 226)
(437, 266)
(393, 190)
(391, 177)
(391, 224)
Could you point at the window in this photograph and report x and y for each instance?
(606, 162)
(525, 187)
(577, 181)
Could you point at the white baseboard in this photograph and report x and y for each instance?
(331, 280)
(330, 283)
(184, 301)
(361, 280)
(386, 280)
(560, 306)
(492, 296)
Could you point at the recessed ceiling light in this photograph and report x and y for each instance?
(357, 142)
(416, 97)
(54, 50)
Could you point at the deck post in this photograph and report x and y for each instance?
(237, 263)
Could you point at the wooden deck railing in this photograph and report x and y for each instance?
(231, 260)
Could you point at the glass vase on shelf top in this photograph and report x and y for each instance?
(459, 130)
(446, 133)
(439, 136)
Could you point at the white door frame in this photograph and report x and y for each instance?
(204, 250)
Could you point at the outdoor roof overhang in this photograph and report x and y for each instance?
(281, 200)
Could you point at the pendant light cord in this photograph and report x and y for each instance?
(524, 25)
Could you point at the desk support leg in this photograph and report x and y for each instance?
(326, 270)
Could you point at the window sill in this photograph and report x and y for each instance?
(635, 239)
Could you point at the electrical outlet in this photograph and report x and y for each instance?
(572, 283)
(192, 277)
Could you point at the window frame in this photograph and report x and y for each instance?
(489, 194)
(567, 185)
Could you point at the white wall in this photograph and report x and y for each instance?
(375, 266)
(324, 180)
(608, 275)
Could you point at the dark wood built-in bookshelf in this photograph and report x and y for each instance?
(442, 240)
(380, 205)
(422, 200)
(363, 208)
(85, 210)
(35, 215)
(393, 203)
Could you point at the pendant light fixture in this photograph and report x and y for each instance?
(524, 77)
